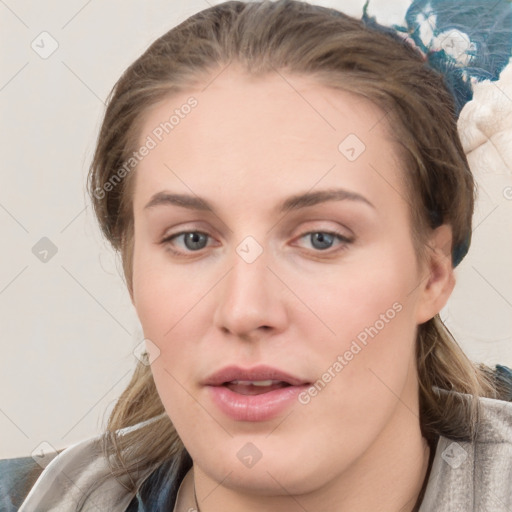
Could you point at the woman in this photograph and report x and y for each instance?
(289, 195)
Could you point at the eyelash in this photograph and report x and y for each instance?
(345, 241)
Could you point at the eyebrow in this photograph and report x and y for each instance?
(295, 202)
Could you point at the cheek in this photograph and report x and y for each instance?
(161, 298)
(366, 364)
(356, 296)
(168, 309)
(369, 310)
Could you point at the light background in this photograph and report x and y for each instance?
(67, 326)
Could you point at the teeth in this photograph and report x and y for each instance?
(256, 382)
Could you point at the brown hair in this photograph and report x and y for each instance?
(341, 52)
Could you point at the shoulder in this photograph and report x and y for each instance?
(495, 425)
(495, 422)
(475, 475)
(72, 476)
(17, 476)
(78, 478)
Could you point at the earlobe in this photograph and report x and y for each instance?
(439, 279)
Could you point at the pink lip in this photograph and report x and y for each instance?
(264, 406)
(254, 407)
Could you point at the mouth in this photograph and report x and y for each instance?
(253, 394)
(253, 380)
(258, 387)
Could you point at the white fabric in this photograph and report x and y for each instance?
(485, 126)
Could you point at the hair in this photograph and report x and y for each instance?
(340, 52)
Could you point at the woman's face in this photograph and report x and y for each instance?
(289, 247)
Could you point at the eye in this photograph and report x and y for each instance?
(322, 240)
(193, 240)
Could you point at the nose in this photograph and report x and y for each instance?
(251, 300)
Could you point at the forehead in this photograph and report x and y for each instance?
(232, 100)
(266, 131)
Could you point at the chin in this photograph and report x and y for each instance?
(270, 476)
(266, 481)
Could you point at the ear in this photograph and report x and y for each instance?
(438, 277)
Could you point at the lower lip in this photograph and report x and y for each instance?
(264, 406)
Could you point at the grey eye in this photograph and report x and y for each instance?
(194, 240)
(321, 240)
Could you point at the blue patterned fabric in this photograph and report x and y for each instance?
(504, 375)
(17, 476)
(465, 40)
(147, 500)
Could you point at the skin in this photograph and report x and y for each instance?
(249, 144)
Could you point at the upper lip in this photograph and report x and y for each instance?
(261, 372)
